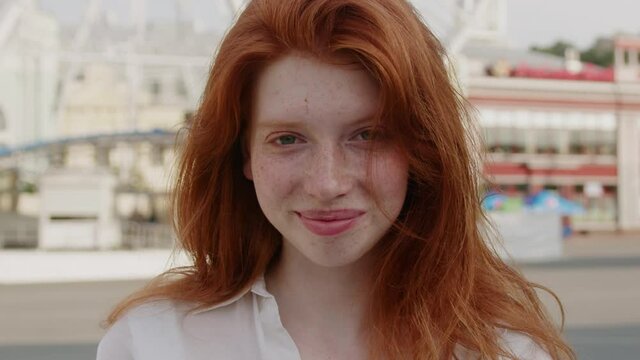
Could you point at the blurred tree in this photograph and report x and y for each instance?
(558, 48)
(27, 187)
(600, 52)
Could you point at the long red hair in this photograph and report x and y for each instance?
(438, 283)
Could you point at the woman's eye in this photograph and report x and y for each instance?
(286, 140)
(368, 135)
(365, 135)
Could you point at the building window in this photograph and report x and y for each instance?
(593, 142)
(3, 121)
(157, 155)
(181, 88)
(155, 87)
(547, 141)
(509, 140)
(102, 155)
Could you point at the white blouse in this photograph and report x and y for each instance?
(245, 327)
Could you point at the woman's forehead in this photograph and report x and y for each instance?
(301, 88)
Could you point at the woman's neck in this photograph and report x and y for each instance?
(327, 304)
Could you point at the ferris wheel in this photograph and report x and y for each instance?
(454, 21)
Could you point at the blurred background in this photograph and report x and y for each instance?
(93, 93)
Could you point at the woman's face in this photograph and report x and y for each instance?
(308, 159)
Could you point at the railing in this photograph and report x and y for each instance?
(18, 232)
(554, 160)
(136, 235)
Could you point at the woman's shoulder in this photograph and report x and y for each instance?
(169, 329)
(153, 313)
(150, 322)
(522, 346)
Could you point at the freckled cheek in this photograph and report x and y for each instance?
(274, 178)
(389, 177)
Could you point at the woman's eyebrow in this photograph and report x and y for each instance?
(366, 120)
(286, 123)
(274, 123)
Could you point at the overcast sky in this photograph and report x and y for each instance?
(579, 21)
(530, 21)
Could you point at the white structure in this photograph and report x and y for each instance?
(29, 40)
(629, 168)
(131, 77)
(548, 126)
(627, 74)
(627, 63)
(77, 210)
(98, 102)
(529, 236)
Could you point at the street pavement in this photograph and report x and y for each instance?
(597, 283)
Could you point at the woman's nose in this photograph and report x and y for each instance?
(329, 174)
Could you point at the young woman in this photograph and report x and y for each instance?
(328, 195)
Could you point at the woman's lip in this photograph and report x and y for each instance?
(329, 223)
(330, 215)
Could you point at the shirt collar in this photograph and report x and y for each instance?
(259, 287)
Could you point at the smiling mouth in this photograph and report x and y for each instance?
(329, 223)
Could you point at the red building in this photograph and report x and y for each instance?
(557, 123)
